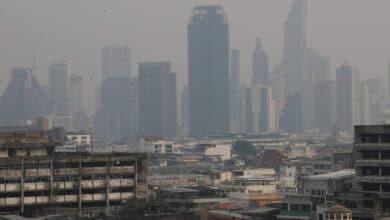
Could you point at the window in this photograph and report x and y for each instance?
(368, 204)
(370, 155)
(370, 171)
(385, 154)
(11, 152)
(374, 187)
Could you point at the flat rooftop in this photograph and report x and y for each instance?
(372, 129)
(341, 174)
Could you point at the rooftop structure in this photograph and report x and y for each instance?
(347, 173)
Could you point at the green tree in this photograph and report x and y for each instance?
(245, 150)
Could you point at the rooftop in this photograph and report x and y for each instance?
(338, 209)
(346, 173)
(254, 176)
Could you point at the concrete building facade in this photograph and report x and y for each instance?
(35, 178)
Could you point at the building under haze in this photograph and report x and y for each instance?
(184, 112)
(59, 87)
(80, 119)
(345, 96)
(323, 105)
(316, 69)
(75, 94)
(290, 118)
(234, 90)
(260, 66)
(294, 47)
(259, 110)
(208, 71)
(157, 97)
(116, 62)
(117, 119)
(23, 99)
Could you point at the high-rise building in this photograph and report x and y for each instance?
(234, 90)
(259, 110)
(117, 119)
(75, 94)
(59, 87)
(208, 71)
(290, 118)
(364, 104)
(388, 83)
(23, 99)
(294, 47)
(260, 66)
(376, 99)
(157, 97)
(184, 116)
(278, 91)
(116, 62)
(357, 99)
(345, 96)
(323, 106)
(316, 69)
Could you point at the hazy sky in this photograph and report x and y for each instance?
(357, 31)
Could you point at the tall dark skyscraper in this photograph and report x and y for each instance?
(208, 69)
(157, 96)
(234, 90)
(59, 87)
(260, 66)
(294, 47)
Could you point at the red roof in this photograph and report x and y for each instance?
(227, 205)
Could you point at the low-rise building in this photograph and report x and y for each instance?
(252, 182)
(79, 138)
(287, 177)
(191, 199)
(33, 177)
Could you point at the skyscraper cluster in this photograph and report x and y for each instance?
(25, 100)
(301, 93)
(307, 97)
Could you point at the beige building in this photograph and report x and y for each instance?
(34, 178)
(253, 181)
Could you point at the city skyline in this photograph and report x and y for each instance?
(113, 27)
(214, 109)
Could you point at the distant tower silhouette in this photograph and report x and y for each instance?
(23, 99)
(294, 47)
(59, 87)
(260, 65)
